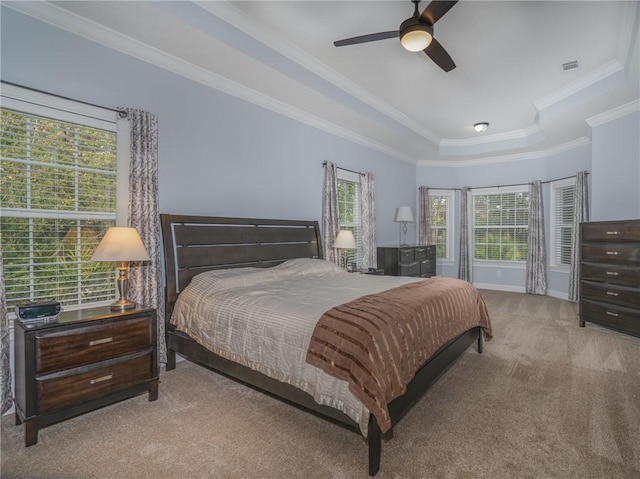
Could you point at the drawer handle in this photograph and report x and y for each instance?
(100, 341)
(612, 293)
(613, 232)
(609, 313)
(101, 379)
(612, 273)
(612, 253)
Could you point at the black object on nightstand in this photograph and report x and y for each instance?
(408, 260)
(82, 360)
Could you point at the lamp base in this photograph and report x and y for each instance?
(122, 305)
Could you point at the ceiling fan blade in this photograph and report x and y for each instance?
(372, 37)
(439, 55)
(436, 10)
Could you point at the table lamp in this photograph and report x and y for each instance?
(343, 242)
(404, 215)
(122, 245)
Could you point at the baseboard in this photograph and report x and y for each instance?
(519, 289)
(500, 287)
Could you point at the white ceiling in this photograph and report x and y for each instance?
(280, 55)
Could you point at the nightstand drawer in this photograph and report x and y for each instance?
(406, 254)
(89, 344)
(409, 269)
(76, 386)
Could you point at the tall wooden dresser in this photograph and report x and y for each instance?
(610, 275)
(407, 260)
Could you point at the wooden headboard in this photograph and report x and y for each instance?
(195, 244)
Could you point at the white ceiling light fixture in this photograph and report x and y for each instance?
(481, 127)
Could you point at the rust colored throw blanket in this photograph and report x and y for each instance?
(378, 342)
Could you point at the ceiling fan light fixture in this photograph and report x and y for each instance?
(415, 36)
(416, 40)
(481, 127)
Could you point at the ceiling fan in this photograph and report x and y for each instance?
(415, 33)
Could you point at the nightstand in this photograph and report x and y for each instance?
(408, 260)
(82, 360)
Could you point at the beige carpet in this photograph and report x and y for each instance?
(546, 400)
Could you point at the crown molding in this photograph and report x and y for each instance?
(599, 75)
(615, 113)
(533, 155)
(95, 32)
(238, 19)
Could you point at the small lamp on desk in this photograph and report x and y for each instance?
(404, 215)
(121, 245)
(343, 242)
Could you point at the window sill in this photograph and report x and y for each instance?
(479, 263)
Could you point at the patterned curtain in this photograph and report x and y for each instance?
(330, 223)
(368, 207)
(536, 282)
(464, 269)
(580, 215)
(146, 278)
(5, 371)
(424, 233)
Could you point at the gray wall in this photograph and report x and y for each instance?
(218, 155)
(613, 160)
(615, 181)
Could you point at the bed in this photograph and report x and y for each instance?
(252, 299)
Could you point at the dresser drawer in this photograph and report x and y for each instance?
(76, 386)
(612, 252)
(609, 293)
(89, 344)
(406, 254)
(409, 269)
(420, 253)
(611, 273)
(428, 266)
(611, 231)
(622, 319)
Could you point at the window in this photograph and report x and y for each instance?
(57, 198)
(562, 194)
(349, 210)
(441, 209)
(500, 220)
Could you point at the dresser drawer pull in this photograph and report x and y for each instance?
(613, 232)
(100, 341)
(612, 273)
(609, 313)
(612, 293)
(612, 253)
(101, 379)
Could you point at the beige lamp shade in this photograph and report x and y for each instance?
(345, 240)
(404, 214)
(120, 244)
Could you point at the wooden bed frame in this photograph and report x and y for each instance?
(195, 244)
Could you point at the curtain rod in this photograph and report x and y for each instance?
(121, 113)
(324, 165)
(499, 186)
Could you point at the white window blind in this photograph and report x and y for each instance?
(501, 225)
(349, 210)
(57, 198)
(441, 223)
(562, 225)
